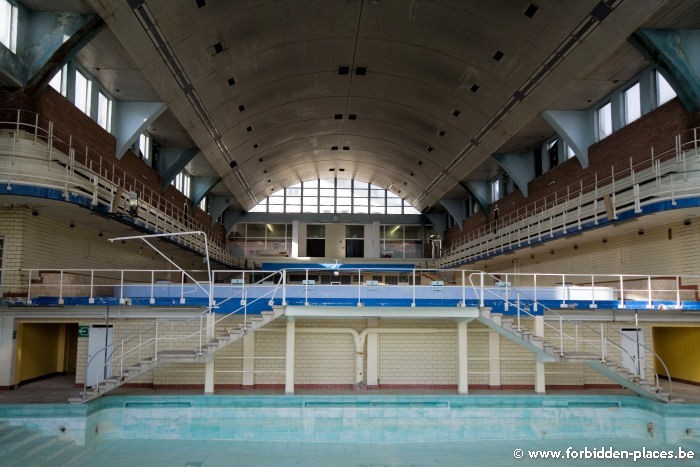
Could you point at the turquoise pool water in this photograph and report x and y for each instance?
(368, 430)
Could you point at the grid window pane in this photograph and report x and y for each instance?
(633, 109)
(664, 90)
(605, 121)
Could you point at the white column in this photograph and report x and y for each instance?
(295, 240)
(539, 367)
(463, 381)
(248, 360)
(372, 354)
(209, 365)
(494, 359)
(209, 376)
(289, 363)
(7, 352)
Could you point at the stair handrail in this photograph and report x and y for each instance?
(201, 332)
(562, 318)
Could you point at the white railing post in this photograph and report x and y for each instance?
(593, 305)
(29, 287)
(481, 286)
(464, 289)
(413, 289)
(202, 330)
(121, 360)
(152, 300)
(121, 287)
(60, 288)
(92, 285)
(306, 288)
(507, 284)
(534, 282)
(678, 292)
(622, 292)
(564, 288)
(359, 287)
(602, 342)
(182, 287)
(284, 287)
(649, 301)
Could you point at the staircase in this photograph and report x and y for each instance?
(20, 446)
(224, 337)
(546, 352)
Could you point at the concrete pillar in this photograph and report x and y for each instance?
(539, 367)
(463, 380)
(494, 360)
(372, 240)
(289, 362)
(209, 376)
(8, 346)
(248, 360)
(372, 354)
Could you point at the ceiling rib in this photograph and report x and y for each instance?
(150, 25)
(585, 27)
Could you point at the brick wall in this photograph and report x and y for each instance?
(656, 129)
(73, 125)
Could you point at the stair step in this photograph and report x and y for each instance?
(43, 448)
(30, 439)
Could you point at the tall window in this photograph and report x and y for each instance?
(633, 108)
(496, 189)
(145, 147)
(83, 91)
(57, 82)
(664, 90)
(182, 183)
(8, 25)
(203, 204)
(104, 111)
(335, 196)
(605, 121)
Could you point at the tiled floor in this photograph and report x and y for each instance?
(60, 388)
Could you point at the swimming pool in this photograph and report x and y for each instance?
(359, 429)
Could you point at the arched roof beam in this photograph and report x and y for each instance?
(576, 128)
(676, 54)
(520, 168)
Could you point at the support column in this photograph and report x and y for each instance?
(248, 360)
(539, 366)
(463, 381)
(8, 346)
(372, 354)
(289, 363)
(209, 365)
(494, 360)
(295, 240)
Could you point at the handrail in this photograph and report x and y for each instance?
(82, 168)
(201, 332)
(605, 340)
(631, 184)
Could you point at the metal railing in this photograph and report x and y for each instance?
(41, 155)
(145, 286)
(667, 174)
(188, 334)
(516, 298)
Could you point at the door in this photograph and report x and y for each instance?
(632, 343)
(100, 347)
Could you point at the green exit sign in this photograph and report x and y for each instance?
(83, 331)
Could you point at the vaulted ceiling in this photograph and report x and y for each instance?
(414, 96)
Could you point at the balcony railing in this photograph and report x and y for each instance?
(669, 174)
(35, 155)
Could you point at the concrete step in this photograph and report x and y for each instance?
(37, 455)
(28, 443)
